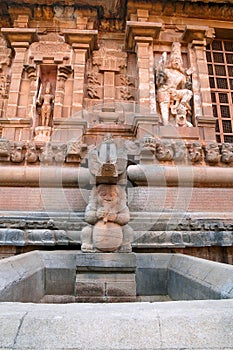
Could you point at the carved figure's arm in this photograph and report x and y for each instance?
(91, 215)
(122, 218)
(188, 82)
(161, 76)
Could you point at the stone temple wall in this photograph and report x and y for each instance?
(70, 74)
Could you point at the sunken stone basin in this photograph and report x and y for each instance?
(50, 277)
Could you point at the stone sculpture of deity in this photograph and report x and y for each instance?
(173, 84)
(46, 104)
(107, 215)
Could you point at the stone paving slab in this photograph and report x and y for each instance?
(194, 325)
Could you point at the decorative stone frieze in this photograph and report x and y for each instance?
(212, 155)
(17, 154)
(53, 154)
(76, 151)
(5, 148)
(195, 153)
(5, 54)
(31, 155)
(227, 153)
(164, 150)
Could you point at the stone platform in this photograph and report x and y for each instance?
(186, 325)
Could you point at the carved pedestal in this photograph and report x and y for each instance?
(105, 277)
(42, 133)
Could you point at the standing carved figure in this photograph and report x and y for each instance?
(46, 104)
(173, 83)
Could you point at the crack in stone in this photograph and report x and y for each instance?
(19, 328)
(160, 331)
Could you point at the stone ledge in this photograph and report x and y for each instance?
(195, 325)
(125, 262)
(142, 239)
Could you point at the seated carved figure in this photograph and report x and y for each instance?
(107, 215)
(173, 85)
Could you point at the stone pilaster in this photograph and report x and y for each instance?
(139, 38)
(82, 42)
(62, 75)
(143, 50)
(198, 36)
(31, 70)
(20, 39)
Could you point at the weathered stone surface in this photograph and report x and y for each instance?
(103, 287)
(102, 261)
(162, 326)
(152, 272)
(27, 273)
(203, 280)
(105, 276)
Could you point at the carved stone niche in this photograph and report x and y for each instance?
(107, 82)
(174, 86)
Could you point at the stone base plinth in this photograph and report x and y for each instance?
(105, 277)
(42, 133)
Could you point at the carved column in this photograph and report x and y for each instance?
(139, 37)
(16, 128)
(63, 73)
(20, 38)
(32, 76)
(197, 36)
(144, 57)
(82, 42)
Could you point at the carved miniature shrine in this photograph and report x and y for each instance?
(116, 124)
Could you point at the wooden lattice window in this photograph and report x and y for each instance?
(219, 56)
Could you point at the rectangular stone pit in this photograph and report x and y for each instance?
(72, 276)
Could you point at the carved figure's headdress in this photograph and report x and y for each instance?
(176, 54)
(48, 88)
